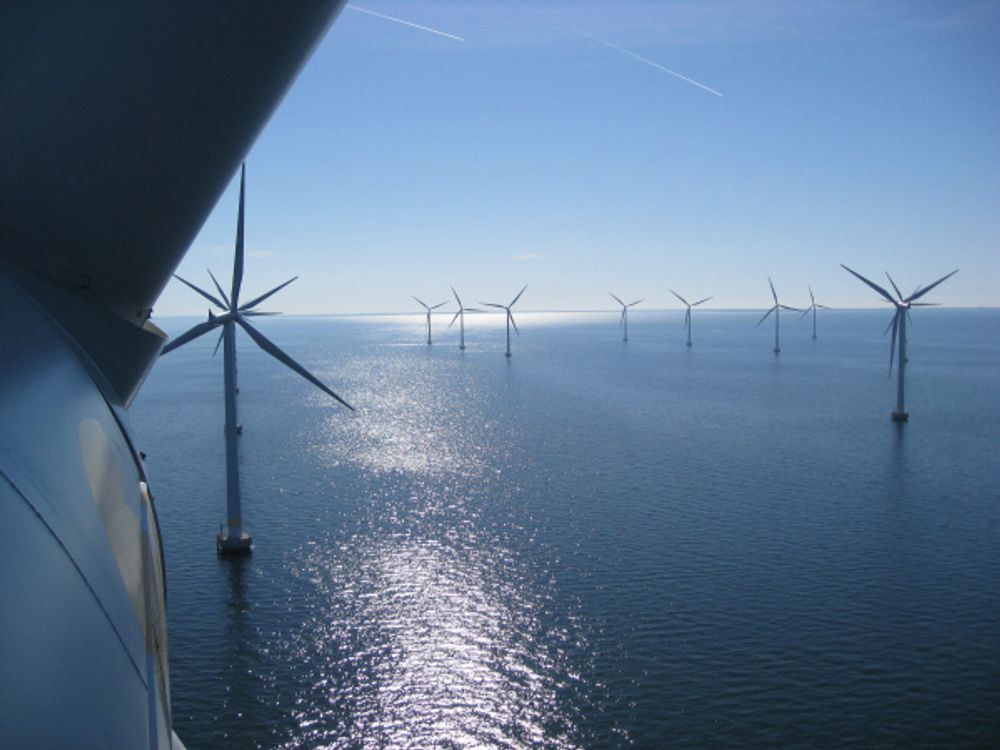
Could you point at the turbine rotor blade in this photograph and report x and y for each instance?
(238, 260)
(811, 295)
(202, 292)
(218, 286)
(793, 309)
(455, 318)
(872, 284)
(457, 299)
(494, 304)
(257, 300)
(898, 293)
(617, 299)
(512, 321)
(679, 297)
(766, 314)
(921, 292)
(218, 344)
(514, 301)
(925, 304)
(773, 293)
(424, 304)
(439, 305)
(631, 304)
(189, 335)
(264, 343)
(695, 304)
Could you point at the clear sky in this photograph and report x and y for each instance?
(401, 161)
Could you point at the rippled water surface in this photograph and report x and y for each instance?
(593, 544)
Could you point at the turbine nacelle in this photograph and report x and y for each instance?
(429, 308)
(229, 315)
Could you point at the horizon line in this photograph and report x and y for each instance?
(574, 311)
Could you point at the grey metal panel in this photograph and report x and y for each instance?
(45, 398)
(65, 680)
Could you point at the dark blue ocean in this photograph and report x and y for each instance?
(593, 544)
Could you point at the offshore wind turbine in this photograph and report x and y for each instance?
(510, 315)
(776, 309)
(813, 308)
(898, 326)
(429, 310)
(687, 315)
(460, 317)
(623, 320)
(236, 540)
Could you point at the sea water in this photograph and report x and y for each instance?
(592, 544)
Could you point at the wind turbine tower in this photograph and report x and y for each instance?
(776, 309)
(460, 317)
(898, 325)
(510, 315)
(236, 539)
(623, 321)
(429, 310)
(687, 315)
(813, 307)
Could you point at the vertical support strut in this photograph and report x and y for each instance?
(235, 540)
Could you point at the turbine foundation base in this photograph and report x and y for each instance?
(900, 416)
(777, 350)
(227, 546)
(507, 354)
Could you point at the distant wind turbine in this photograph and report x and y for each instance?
(460, 317)
(813, 308)
(776, 309)
(236, 540)
(898, 326)
(510, 315)
(429, 310)
(687, 315)
(623, 320)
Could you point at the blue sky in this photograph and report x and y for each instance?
(402, 162)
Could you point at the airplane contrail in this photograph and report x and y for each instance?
(406, 23)
(616, 48)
